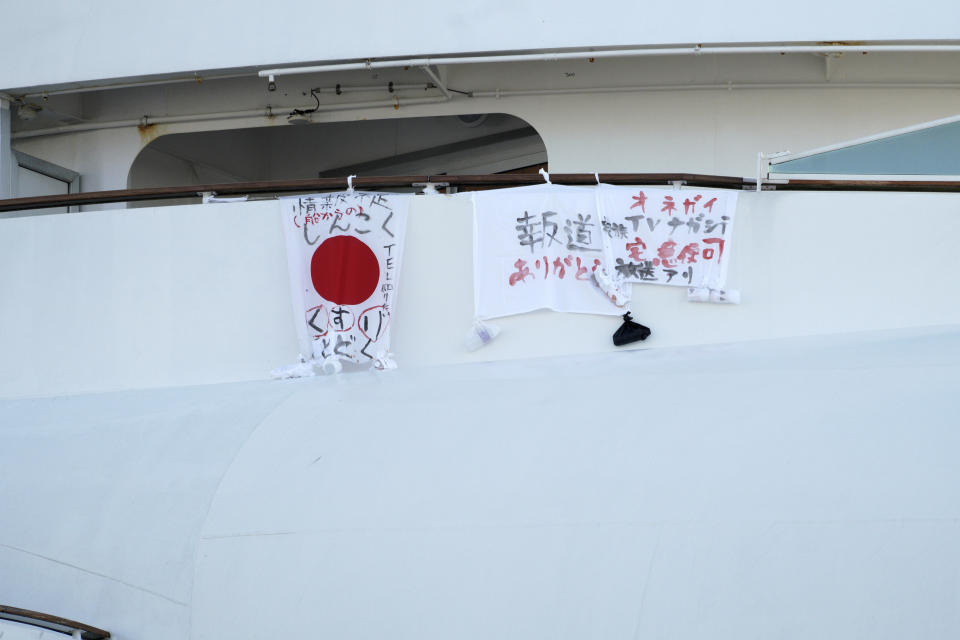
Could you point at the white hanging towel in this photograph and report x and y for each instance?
(667, 236)
(344, 251)
(537, 248)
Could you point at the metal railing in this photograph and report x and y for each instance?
(467, 181)
(73, 628)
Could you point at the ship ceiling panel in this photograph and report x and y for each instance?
(412, 146)
(62, 41)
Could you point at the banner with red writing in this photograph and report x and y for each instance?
(667, 236)
(343, 251)
(537, 248)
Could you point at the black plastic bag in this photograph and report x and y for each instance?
(630, 331)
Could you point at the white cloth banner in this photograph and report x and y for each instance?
(667, 236)
(537, 247)
(343, 251)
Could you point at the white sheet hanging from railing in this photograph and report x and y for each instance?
(667, 236)
(536, 248)
(344, 251)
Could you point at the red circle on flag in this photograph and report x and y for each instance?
(344, 270)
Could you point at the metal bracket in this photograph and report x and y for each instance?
(437, 81)
(750, 184)
(430, 188)
(763, 168)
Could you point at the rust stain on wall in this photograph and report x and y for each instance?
(148, 133)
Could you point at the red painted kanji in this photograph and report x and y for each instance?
(689, 253)
(635, 248)
(665, 254)
(523, 272)
(689, 206)
(717, 241)
(558, 266)
(668, 205)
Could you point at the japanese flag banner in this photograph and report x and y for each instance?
(667, 236)
(343, 252)
(537, 247)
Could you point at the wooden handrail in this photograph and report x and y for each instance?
(363, 182)
(486, 180)
(51, 622)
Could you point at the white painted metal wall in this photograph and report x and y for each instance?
(794, 476)
(61, 41)
(16, 631)
(103, 503)
(791, 488)
(198, 294)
